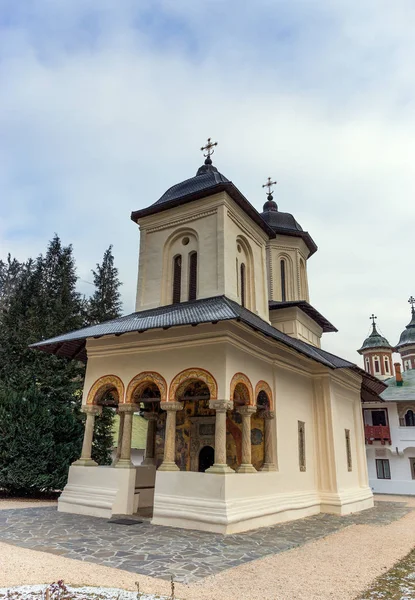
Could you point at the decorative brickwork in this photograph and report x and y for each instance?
(105, 384)
(143, 380)
(182, 379)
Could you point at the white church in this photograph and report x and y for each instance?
(250, 422)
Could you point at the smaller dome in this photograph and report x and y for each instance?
(374, 341)
(408, 334)
(278, 220)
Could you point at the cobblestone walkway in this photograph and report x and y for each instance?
(164, 551)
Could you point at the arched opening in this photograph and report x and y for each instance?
(262, 401)
(177, 278)
(241, 395)
(283, 281)
(410, 418)
(243, 285)
(303, 281)
(206, 458)
(192, 276)
(376, 365)
(245, 273)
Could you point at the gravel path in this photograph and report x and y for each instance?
(337, 567)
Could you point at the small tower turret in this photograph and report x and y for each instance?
(406, 344)
(377, 354)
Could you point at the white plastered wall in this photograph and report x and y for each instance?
(294, 251)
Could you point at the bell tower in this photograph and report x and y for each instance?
(406, 344)
(377, 354)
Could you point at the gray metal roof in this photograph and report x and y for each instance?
(206, 177)
(208, 310)
(408, 334)
(375, 340)
(403, 393)
(307, 309)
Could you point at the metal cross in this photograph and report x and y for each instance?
(269, 185)
(209, 148)
(373, 318)
(412, 302)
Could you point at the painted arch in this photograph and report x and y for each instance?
(240, 379)
(140, 381)
(182, 379)
(105, 384)
(262, 386)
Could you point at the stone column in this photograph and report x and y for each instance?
(269, 448)
(149, 458)
(169, 463)
(220, 466)
(125, 454)
(121, 416)
(246, 465)
(91, 411)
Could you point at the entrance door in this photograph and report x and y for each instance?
(206, 458)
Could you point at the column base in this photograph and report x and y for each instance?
(123, 463)
(85, 462)
(219, 469)
(168, 466)
(268, 467)
(246, 468)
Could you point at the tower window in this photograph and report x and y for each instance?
(177, 278)
(283, 282)
(243, 284)
(410, 418)
(367, 364)
(376, 363)
(387, 367)
(192, 275)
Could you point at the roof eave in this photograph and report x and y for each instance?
(307, 309)
(304, 235)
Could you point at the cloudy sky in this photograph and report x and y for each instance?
(105, 103)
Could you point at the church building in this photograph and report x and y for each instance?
(250, 422)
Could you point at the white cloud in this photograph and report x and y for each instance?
(103, 109)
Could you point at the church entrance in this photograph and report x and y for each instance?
(206, 458)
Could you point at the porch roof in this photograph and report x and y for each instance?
(207, 310)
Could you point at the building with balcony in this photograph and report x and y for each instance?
(389, 419)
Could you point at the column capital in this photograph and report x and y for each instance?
(171, 406)
(221, 405)
(247, 409)
(128, 408)
(267, 414)
(150, 416)
(91, 409)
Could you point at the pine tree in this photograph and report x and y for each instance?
(104, 304)
(10, 272)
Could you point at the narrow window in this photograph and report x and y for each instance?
(301, 445)
(348, 450)
(283, 282)
(243, 284)
(383, 468)
(387, 368)
(367, 362)
(377, 364)
(177, 278)
(412, 463)
(410, 418)
(192, 275)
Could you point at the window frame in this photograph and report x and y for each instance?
(382, 463)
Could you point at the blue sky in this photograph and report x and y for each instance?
(105, 103)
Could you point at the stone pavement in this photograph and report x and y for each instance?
(164, 551)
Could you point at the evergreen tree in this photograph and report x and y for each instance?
(104, 304)
(10, 272)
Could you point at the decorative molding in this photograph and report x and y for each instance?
(188, 375)
(233, 217)
(181, 221)
(104, 384)
(140, 380)
(263, 386)
(244, 380)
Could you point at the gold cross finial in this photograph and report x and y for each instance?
(269, 185)
(209, 148)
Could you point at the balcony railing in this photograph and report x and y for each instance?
(379, 433)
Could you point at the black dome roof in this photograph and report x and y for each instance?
(408, 334)
(276, 219)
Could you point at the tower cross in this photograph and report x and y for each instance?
(373, 319)
(412, 302)
(209, 148)
(269, 185)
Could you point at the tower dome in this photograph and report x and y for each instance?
(406, 344)
(377, 353)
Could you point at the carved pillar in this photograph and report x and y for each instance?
(246, 465)
(121, 416)
(269, 446)
(169, 463)
(220, 466)
(91, 411)
(125, 454)
(150, 441)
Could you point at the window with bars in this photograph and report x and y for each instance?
(243, 284)
(348, 449)
(383, 468)
(192, 275)
(283, 281)
(301, 445)
(177, 278)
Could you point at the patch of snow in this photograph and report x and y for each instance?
(32, 592)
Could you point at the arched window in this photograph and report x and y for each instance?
(410, 418)
(283, 281)
(303, 282)
(387, 367)
(177, 278)
(376, 363)
(367, 364)
(243, 284)
(192, 275)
